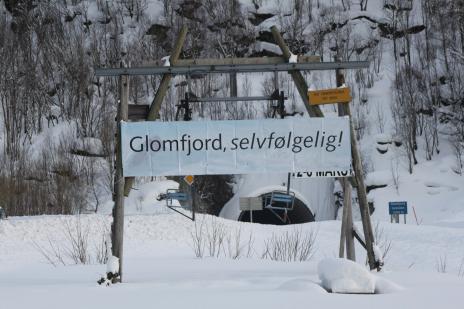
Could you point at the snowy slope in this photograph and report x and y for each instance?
(160, 266)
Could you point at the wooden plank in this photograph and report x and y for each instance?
(329, 96)
(298, 79)
(138, 112)
(117, 227)
(238, 61)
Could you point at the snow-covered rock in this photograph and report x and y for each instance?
(345, 276)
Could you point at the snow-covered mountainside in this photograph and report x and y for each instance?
(58, 121)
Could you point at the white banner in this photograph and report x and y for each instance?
(235, 146)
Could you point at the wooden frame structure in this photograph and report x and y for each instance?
(122, 186)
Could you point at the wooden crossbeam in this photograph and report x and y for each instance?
(230, 68)
(235, 61)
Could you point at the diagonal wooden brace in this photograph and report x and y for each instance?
(155, 106)
(298, 79)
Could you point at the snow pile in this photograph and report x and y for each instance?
(166, 61)
(383, 138)
(89, 146)
(112, 272)
(379, 178)
(260, 46)
(112, 266)
(345, 276)
(385, 286)
(293, 59)
(305, 285)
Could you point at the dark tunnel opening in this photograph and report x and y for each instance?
(299, 214)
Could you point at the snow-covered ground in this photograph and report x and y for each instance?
(160, 267)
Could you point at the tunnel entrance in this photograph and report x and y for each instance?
(299, 214)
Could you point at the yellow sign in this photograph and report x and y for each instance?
(329, 96)
(189, 179)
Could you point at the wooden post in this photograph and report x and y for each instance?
(117, 227)
(347, 218)
(350, 249)
(362, 197)
(344, 109)
(341, 250)
(233, 84)
(161, 93)
(298, 79)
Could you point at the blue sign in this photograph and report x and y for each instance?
(180, 196)
(398, 208)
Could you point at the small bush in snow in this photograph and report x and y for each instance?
(198, 238)
(76, 248)
(290, 246)
(103, 246)
(441, 264)
(461, 268)
(236, 245)
(216, 239)
(52, 254)
(382, 242)
(458, 149)
(77, 238)
(215, 235)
